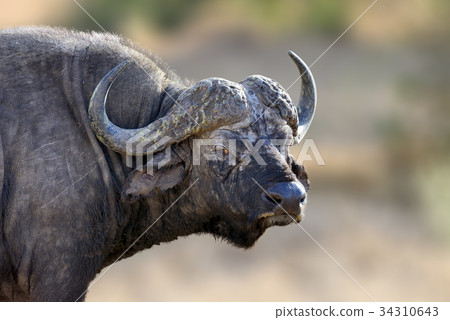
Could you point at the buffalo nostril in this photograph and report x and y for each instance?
(303, 199)
(273, 198)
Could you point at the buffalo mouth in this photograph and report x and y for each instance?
(270, 219)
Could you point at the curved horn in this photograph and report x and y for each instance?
(107, 132)
(209, 104)
(306, 105)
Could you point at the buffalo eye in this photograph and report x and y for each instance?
(221, 150)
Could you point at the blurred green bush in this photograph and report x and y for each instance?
(169, 15)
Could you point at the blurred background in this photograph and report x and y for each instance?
(380, 206)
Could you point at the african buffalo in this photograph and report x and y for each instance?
(75, 196)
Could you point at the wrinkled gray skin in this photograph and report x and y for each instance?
(69, 204)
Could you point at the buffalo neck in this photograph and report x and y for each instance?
(160, 218)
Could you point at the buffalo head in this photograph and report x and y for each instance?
(232, 139)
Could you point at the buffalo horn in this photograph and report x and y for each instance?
(308, 97)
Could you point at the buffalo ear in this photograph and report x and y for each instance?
(142, 184)
(300, 172)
